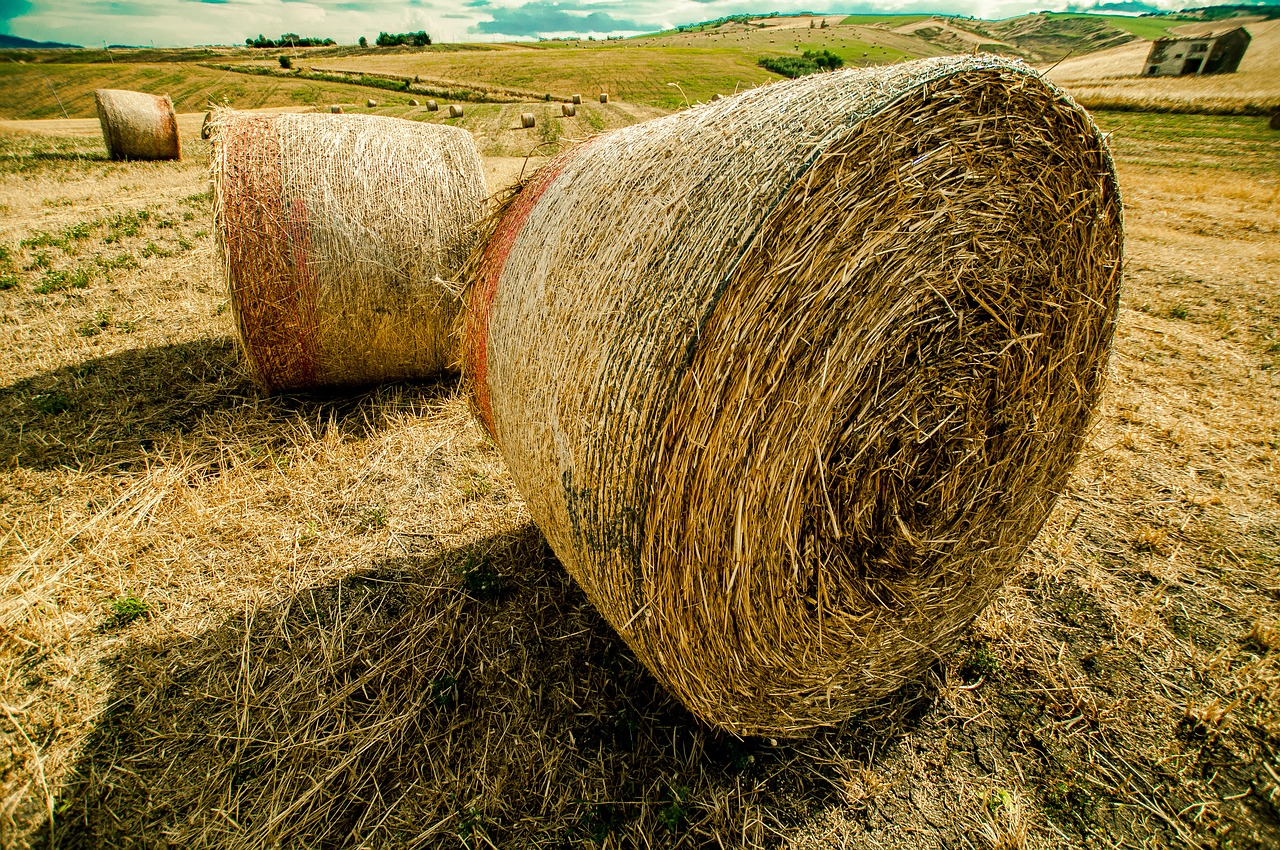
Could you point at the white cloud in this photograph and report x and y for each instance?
(187, 22)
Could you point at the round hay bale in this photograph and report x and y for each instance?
(716, 97)
(206, 129)
(335, 109)
(577, 98)
(333, 232)
(455, 111)
(568, 110)
(790, 382)
(604, 98)
(371, 103)
(137, 125)
(432, 106)
(527, 120)
(413, 101)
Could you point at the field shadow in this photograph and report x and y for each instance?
(112, 410)
(470, 696)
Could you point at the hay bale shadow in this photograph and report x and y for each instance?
(112, 410)
(471, 696)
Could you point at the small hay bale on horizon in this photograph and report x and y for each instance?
(334, 234)
(371, 103)
(527, 120)
(138, 126)
(790, 381)
(577, 98)
(432, 106)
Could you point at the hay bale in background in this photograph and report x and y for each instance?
(791, 381)
(335, 109)
(568, 110)
(455, 111)
(205, 126)
(527, 120)
(332, 231)
(577, 98)
(137, 125)
(432, 106)
(371, 103)
(604, 98)
(413, 101)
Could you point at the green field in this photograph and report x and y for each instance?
(1148, 28)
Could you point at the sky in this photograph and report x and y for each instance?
(171, 23)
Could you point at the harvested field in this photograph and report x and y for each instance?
(233, 621)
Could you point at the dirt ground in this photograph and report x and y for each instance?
(236, 621)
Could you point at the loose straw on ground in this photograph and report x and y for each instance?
(333, 232)
(137, 125)
(790, 381)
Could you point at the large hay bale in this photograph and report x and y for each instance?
(432, 106)
(527, 120)
(791, 381)
(577, 98)
(568, 110)
(332, 231)
(455, 111)
(137, 125)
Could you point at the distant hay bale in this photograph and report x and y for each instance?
(577, 98)
(455, 111)
(371, 103)
(137, 125)
(527, 120)
(432, 106)
(716, 97)
(568, 110)
(791, 381)
(206, 128)
(335, 109)
(604, 98)
(413, 101)
(333, 232)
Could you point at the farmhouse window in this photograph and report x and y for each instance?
(1198, 48)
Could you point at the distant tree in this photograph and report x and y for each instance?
(286, 62)
(415, 39)
(364, 42)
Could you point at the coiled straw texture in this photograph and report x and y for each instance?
(791, 380)
(137, 125)
(336, 234)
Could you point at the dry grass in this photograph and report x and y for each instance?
(303, 568)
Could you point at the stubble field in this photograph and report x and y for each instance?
(236, 621)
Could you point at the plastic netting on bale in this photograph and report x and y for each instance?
(790, 381)
(137, 125)
(336, 235)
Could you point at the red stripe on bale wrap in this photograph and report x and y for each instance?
(496, 251)
(277, 314)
